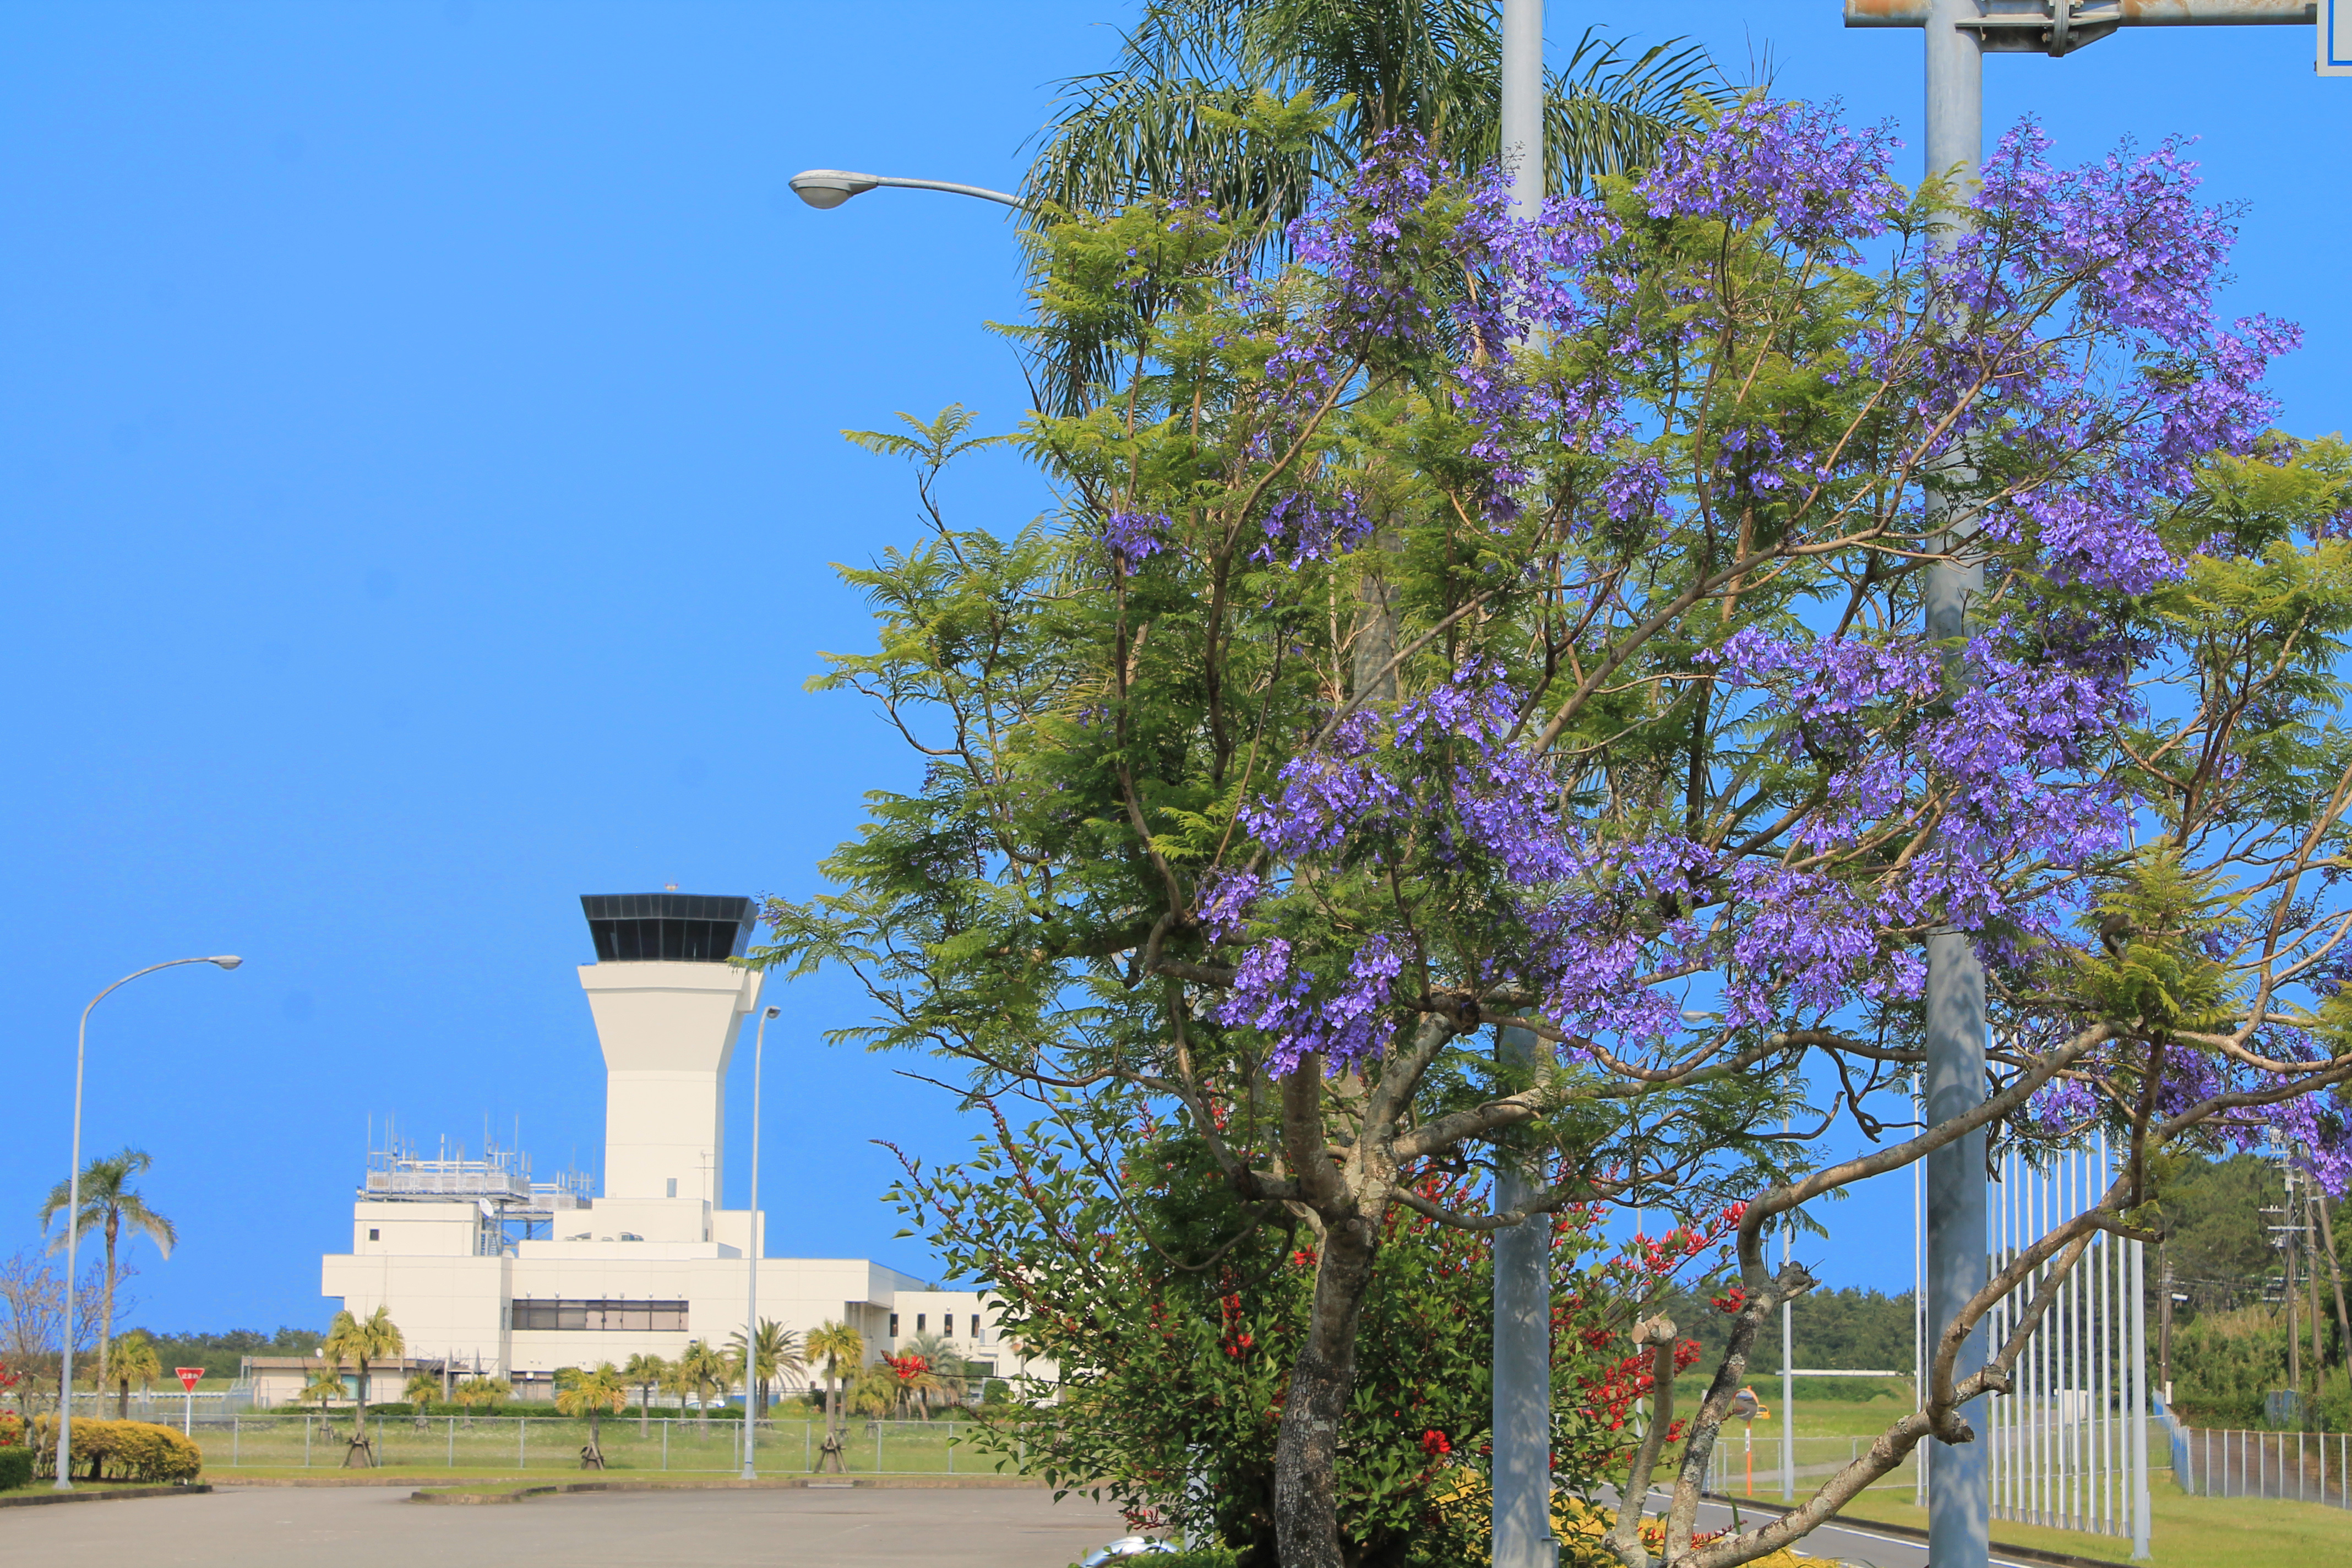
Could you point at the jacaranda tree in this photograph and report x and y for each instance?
(1476, 624)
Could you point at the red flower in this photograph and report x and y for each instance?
(1433, 1441)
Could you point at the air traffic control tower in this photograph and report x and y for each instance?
(667, 1006)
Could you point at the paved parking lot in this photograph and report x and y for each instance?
(365, 1527)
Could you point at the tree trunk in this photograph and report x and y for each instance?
(1306, 1453)
(122, 1399)
(359, 1456)
(106, 1309)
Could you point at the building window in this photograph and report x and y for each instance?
(602, 1316)
(975, 1329)
(673, 1186)
(894, 1325)
(374, 1235)
(919, 1323)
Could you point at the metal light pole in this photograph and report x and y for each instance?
(1787, 1358)
(73, 1216)
(1522, 1421)
(1958, 34)
(751, 1255)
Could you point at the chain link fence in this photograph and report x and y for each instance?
(554, 1443)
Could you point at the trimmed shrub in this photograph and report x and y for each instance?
(119, 1451)
(16, 1468)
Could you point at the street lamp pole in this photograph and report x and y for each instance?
(1958, 34)
(64, 1482)
(752, 1254)
(1522, 1529)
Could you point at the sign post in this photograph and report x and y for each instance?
(1957, 35)
(188, 1376)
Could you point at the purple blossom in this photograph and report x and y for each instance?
(1135, 537)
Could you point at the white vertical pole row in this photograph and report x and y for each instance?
(2068, 1446)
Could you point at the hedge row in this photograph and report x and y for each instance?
(119, 1450)
(16, 1468)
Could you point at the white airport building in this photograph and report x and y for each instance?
(492, 1272)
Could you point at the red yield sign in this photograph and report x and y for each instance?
(188, 1375)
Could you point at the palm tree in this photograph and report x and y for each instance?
(944, 1367)
(874, 1394)
(1167, 121)
(647, 1371)
(360, 1341)
(424, 1388)
(112, 1208)
(134, 1361)
(703, 1367)
(841, 1350)
(594, 1392)
(326, 1384)
(778, 1356)
(478, 1391)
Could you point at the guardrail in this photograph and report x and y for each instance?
(2298, 1467)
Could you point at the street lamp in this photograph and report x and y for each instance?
(73, 1214)
(826, 189)
(751, 1253)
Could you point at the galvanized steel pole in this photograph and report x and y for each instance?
(1522, 1463)
(1958, 34)
(751, 1255)
(1958, 1502)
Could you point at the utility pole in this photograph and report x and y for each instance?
(2311, 1276)
(1957, 34)
(1522, 1423)
(2164, 1323)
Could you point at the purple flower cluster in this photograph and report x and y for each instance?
(1819, 185)
(2122, 255)
(1300, 528)
(1347, 1021)
(1135, 537)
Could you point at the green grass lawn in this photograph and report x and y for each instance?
(2186, 1532)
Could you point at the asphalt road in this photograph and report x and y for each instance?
(377, 1527)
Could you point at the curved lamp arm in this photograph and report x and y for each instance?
(828, 188)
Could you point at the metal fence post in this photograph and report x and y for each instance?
(306, 1442)
(522, 1426)
(665, 1442)
(453, 1442)
(235, 1440)
(877, 1447)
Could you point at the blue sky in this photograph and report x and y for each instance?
(420, 469)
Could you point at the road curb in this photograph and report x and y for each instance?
(97, 1494)
(784, 1483)
(2033, 1554)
